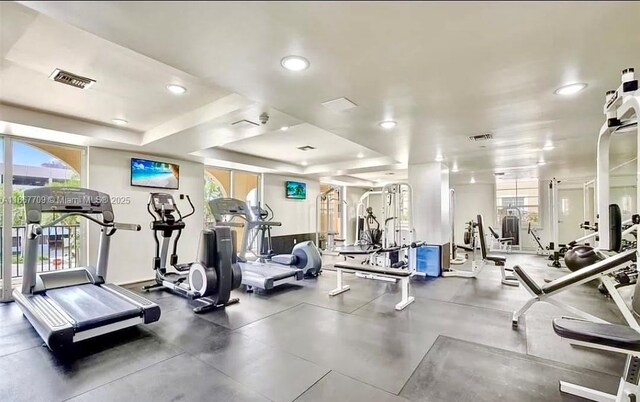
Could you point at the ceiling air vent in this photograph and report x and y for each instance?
(481, 137)
(72, 79)
(339, 105)
(244, 124)
(498, 174)
(306, 148)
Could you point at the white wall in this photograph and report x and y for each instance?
(297, 216)
(132, 252)
(471, 200)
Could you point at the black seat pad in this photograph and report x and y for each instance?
(612, 335)
(496, 258)
(357, 250)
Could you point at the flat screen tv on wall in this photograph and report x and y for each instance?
(147, 173)
(296, 190)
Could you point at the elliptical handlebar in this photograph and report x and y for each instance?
(193, 209)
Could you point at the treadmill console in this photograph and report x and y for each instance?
(229, 207)
(66, 200)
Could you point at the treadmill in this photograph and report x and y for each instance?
(72, 305)
(259, 274)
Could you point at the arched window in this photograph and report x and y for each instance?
(35, 165)
(213, 188)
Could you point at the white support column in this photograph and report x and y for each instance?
(7, 211)
(430, 184)
(602, 185)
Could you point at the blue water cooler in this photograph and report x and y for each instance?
(427, 261)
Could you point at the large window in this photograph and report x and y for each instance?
(518, 197)
(36, 164)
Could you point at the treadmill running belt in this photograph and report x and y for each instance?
(90, 306)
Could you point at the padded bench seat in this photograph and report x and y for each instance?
(374, 270)
(403, 275)
(610, 335)
(357, 250)
(584, 275)
(497, 259)
(588, 273)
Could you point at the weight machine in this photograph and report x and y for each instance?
(329, 205)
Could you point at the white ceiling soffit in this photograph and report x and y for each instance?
(46, 126)
(328, 149)
(496, 72)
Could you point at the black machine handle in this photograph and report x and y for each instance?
(193, 209)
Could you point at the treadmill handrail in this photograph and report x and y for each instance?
(116, 225)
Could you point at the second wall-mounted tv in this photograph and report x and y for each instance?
(296, 190)
(148, 173)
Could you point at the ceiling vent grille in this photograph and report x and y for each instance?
(481, 137)
(65, 77)
(498, 174)
(306, 148)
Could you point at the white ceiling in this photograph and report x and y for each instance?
(283, 145)
(443, 70)
(129, 86)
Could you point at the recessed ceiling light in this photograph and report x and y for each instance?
(472, 181)
(388, 124)
(439, 158)
(303, 163)
(360, 155)
(541, 163)
(295, 63)
(455, 169)
(120, 122)
(570, 89)
(176, 89)
(548, 146)
(284, 128)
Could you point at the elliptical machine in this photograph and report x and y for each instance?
(210, 279)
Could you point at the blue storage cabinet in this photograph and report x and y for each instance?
(428, 260)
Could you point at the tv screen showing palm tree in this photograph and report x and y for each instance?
(147, 173)
(296, 190)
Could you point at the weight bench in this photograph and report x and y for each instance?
(397, 274)
(584, 275)
(497, 260)
(608, 337)
(360, 249)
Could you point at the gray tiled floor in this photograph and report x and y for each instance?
(297, 343)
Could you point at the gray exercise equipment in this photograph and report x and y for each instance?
(72, 305)
(211, 278)
(265, 274)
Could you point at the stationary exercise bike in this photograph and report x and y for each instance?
(210, 279)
